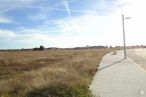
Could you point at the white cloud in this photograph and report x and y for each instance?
(16, 2)
(6, 34)
(10, 39)
(88, 29)
(7, 5)
(77, 31)
(135, 27)
(4, 20)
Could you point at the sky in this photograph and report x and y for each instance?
(71, 23)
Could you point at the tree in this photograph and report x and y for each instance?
(42, 48)
(111, 47)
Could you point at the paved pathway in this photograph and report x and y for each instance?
(119, 78)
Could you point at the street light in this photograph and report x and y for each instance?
(124, 39)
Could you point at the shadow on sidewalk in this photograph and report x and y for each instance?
(110, 65)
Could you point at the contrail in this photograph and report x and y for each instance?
(67, 8)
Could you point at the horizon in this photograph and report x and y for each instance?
(70, 23)
(87, 46)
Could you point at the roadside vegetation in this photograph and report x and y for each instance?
(49, 73)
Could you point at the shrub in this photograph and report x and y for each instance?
(42, 48)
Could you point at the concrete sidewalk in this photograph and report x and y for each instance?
(119, 78)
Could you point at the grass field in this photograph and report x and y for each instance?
(52, 73)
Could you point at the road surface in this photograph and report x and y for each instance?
(138, 56)
(119, 78)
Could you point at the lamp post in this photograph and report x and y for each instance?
(124, 39)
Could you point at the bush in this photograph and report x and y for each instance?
(61, 90)
(39, 49)
(42, 48)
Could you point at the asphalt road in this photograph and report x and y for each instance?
(138, 56)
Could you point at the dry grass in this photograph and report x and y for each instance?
(56, 73)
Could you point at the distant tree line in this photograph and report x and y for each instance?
(39, 49)
(92, 47)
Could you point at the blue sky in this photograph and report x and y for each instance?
(66, 23)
